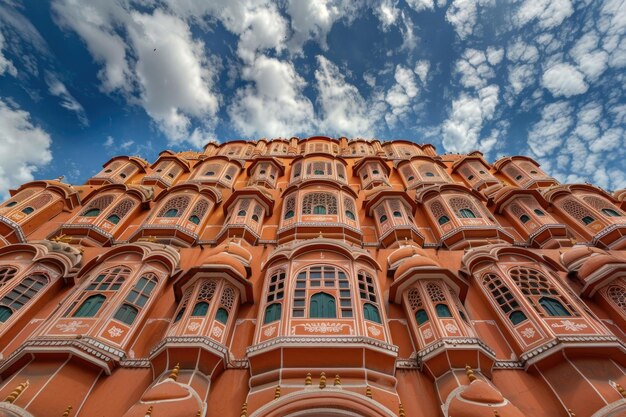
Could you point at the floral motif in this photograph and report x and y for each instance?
(528, 333)
(115, 331)
(269, 331)
(323, 327)
(428, 333)
(374, 330)
(451, 328)
(193, 326)
(71, 326)
(570, 325)
(217, 331)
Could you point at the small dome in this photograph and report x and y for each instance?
(594, 263)
(480, 399)
(228, 261)
(575, 257)
(167, 390)
(404, 252)
(415, 262)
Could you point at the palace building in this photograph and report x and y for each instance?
(313, 277)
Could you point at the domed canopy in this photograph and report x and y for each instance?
(574, 258)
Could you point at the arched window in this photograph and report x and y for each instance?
(7, 274)
(421, 316)
(588, 220)
(27, 210)
(539, 212)
(383, 218)
(443, 220)
(553, 307)
(322, 305)
(610, 212)
(443, 311)
(174, 207)
(290, 206)
(272, 313)
(276, 288)
(319, 203)
(350, 215)
(289, 214)
(183, 305)
(617, 295)
(221, 315)
(95, 212)
(106, 283)
(467, 214)
(5, 313)
(113, 218)
(370, 312)
(23, 292)
(11, 204)
(136, 299)
(200, 309)
(194, 219)
(524, 218)
(543, 296)
(503, 297)
(429, 174)
(575, 209)
(310, 281)
(91, 306)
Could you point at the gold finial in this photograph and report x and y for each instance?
(368, 391)
(62, 239)
(322, 380)
(17, 392)
(470, 373)
(199, 413)
(571, 413)
(67, 411)
(149, 412)
(495, 413)
(307, 380)
(620, 390)
(401, 412)
(320, 235)
(277, 392)
(337, 380)
(244, 410)
(174, 374)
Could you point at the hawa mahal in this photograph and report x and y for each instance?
(313, 277)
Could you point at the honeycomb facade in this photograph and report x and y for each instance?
(313, 277)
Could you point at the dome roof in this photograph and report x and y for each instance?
(404, 252)
(480, 399)
(226, 260)
(594, 263)
(168, 398)
(415, 262)
(575, 257)
(167, 390)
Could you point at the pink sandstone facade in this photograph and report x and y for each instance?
(313, 277)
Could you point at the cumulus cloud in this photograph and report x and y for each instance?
(273, 104)
(564, 80)
(24, 147)
(343, 110)
(422, 67)
(474, 69)
(313, 19)
(548, 13)
(549, 133)
(419, 5)
(521, 71)
(463, 14)
(387, 12)
(58, 89)
(461, 132)
(176, 79)
(591, 59)
(401, 95)
(6, 66)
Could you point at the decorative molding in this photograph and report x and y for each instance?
(302, 341)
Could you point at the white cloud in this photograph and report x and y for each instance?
(313, 19)
(612, 24)
(422, 68)
(176, 79)
(343, 110)
(5, 64)
(564, 80)
(548, 13)
(462, 130)
(407, 29)
(387, 13)
(591, 60)
(401, 95)
(58, 89)
(548, 134)
(94, 24)
(522, 72)
(494, 55)
(109, 142)
(274, 105)
(419, 5)
(462, 15)
(474, 69)
(24, 147)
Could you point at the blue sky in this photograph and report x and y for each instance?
(84, 80)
